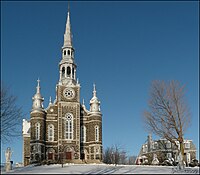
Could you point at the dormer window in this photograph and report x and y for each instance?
(187, 145)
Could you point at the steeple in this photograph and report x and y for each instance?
(94, 102)
(68, 35)
(38, 99)
(67, 65)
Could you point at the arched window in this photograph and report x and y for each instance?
(69, 126)
(96, 133)
(72, 53)
(63, 72)
(37, 131)
(68, 52)
(72, 72)
(64, 52)
(50, 132)
(83, 134)
(68, 71)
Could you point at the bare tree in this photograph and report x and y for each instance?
(131, 160)
(107, 156)
(11, 116)
(115, 155)
(168, 115)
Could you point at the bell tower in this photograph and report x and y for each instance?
(68, 100)
(67, 65)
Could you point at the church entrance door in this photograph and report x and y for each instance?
(82, 156)
(50, 156)
(69, 155)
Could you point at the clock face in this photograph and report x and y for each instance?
(68, 93)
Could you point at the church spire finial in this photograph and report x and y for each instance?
(94, 90)
(68, 7)
(38, 86)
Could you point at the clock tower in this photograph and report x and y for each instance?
(68, 99)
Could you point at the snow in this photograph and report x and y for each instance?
(101, 169)
(26, 127)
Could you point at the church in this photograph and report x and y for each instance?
(65, 131)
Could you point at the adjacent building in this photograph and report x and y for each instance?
(164, 150)
(64, 131)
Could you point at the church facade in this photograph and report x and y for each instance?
(65, 131)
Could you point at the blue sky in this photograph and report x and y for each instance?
(121, 46)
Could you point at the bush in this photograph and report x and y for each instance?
(194, 163)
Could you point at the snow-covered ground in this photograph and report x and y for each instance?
(101, 169)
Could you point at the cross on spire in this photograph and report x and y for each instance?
(68, 6)
(94, 90)
(38, 80)
(38, 86)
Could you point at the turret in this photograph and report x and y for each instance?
(38, 127)
(94, 102)
(37, 99)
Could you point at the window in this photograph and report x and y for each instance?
(63, 72)
(96, 133)
(188, 157)
(97, 150)
(37, 131)
(187, 145)
(51, 132)
(155, 145)
(68, 52)
(177, 144)
(145, 149)
(64, 52)
(97, 153)
(83, 134)
(72, 53)
(69, 126)
(72, 72)
(168, 144)
(169, 155)
(68, 71)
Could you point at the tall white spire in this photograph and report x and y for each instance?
(68, 35)
(67, 64)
